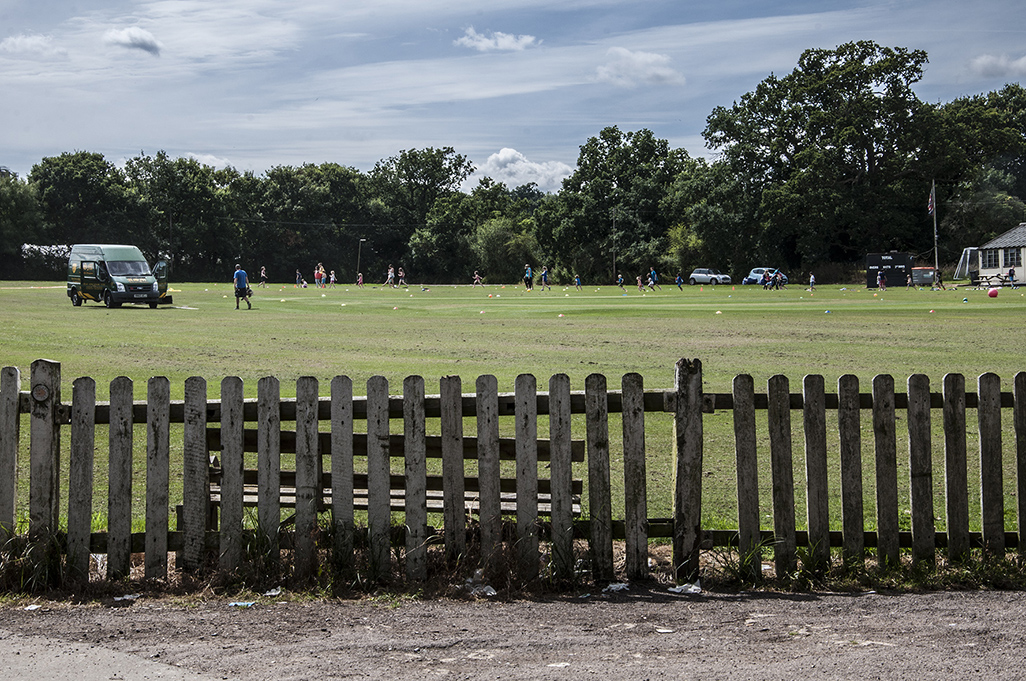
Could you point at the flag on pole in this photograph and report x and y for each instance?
(930, 203)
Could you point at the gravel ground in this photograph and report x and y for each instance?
(641, 633)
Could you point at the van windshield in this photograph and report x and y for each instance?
(127, 268)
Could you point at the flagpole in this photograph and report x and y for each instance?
(933, 204)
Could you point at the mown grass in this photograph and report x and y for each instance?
(435, 331)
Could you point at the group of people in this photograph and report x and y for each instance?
(773, 280)
(529, 278)
(393, 278)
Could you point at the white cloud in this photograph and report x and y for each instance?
(210, 160)
(998, 66)
(514, 169)
(31, 44)
(629, 69)
(495, 41)
(133, 38)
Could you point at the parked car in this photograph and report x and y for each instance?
(755, 276)
(704, 275)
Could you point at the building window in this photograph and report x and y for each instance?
(989, 259)
(1013, 257)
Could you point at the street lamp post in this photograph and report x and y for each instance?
(359, 249)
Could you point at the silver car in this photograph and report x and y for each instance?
(704, 275)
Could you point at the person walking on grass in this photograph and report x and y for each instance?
(263, 277)
(619, 281)
(390, 278)
(478, 280)
(359, 279)
(679, 281)
(402, 279)
(812, 282)
(545, 279)
(641, 286)
(577, 281)
(299, 279)
(332, 279)
(528, 277)
(241, 287)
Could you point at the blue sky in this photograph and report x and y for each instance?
(517, 87)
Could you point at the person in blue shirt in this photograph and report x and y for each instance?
(528, 277)
(577, 281)
(680, 281)
(241, 287)
(654, 278)
(545, 278)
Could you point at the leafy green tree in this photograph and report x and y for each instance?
(609, 208)
(188, 215)
(19, 223)
(836, 153)
(405, 188)
(85, 199)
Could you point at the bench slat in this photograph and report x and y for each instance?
(396, 445)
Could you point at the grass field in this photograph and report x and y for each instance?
(436, 331)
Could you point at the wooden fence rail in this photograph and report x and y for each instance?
(326, 479)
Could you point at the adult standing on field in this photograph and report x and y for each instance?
(528, 277)
(241, 287)
(263, 277)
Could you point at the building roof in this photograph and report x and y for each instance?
(1013, 238)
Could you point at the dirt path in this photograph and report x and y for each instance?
(637, 634)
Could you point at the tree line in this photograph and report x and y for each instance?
(810, 171)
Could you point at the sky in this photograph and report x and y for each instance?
(515, 86)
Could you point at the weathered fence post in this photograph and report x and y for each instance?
(850, 433)
(10, 432)
(195, 473)
(378, 497)
(600, 509)
(269, 466)
(955, 467)
(44, 448)
(232, 439)
(309, 489)
(488, 472)
(453, 509)
(635, 490)
(119, 475)
(342, 470)
(687, 496)
(158, 471)
(886, 443)
(785, 545)
(1019, 421)
(80, 471)
(749, 535)
(526, 401)
(415, 459)
(817, 490)
(992, 498)
(561, 485)
(921, 469)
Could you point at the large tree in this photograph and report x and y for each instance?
(406, 187)
(835, 152)
(609, 208)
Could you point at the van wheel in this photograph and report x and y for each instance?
(153, 306)
(108, 300)
(76, 299)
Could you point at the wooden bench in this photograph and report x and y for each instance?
(397, 483)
